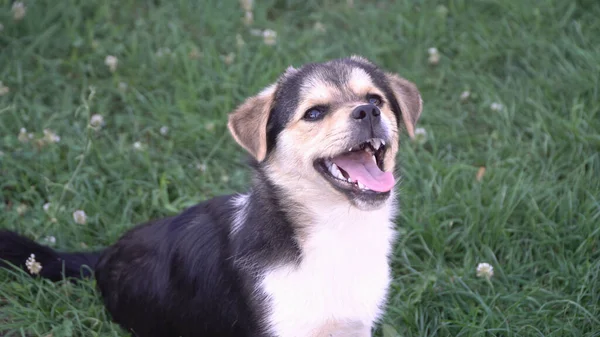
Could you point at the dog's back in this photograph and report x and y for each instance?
(165, 278)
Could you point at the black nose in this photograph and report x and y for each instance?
(364, 111)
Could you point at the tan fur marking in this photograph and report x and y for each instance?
(409, 99)
(361, 83)
(248, 123)
(316, 92)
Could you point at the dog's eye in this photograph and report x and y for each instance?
(374, 99)
(313, 114)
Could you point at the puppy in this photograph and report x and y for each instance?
(304, 253)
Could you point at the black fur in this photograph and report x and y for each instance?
(184, 275)
(175, 277)
(15, 250)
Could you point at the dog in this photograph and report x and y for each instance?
(304, 253)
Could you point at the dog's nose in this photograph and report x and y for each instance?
(364, 111)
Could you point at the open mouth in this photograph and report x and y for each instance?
(359, 169)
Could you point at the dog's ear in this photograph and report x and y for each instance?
(248, 123)
(409, 99)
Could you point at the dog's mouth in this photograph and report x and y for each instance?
(359, 169)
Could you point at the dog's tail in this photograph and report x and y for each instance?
(17, 250)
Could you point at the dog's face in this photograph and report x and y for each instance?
(330, 130)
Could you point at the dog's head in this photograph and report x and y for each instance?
(330, 130)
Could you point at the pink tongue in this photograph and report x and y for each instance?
(361, 167)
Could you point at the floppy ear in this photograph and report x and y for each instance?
(409, 99)
(248, 123)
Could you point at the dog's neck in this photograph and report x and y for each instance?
(313, 207)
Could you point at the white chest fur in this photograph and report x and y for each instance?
(340, 287)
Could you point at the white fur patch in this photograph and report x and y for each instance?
(342, 280)
(240, 203)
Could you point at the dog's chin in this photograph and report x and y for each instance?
(358, 174)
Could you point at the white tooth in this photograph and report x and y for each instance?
(382, 142)
(376, 143)
(374, 159)
(350, 150)
(361, 186)
(335, 171)
(350, 181)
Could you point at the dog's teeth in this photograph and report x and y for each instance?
(349, 180)
(374, 159)
(382, 142)
(350, 150)
(361, 186)
(376, 142)
(335, 171)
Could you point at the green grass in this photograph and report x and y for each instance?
(535, 214)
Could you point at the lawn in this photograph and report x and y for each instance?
(507, 172)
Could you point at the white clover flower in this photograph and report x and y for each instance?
(485, 270)
(138, 146)
(209, 126)
(248, 18)
(465, 96)
(420, 135)
(19, 10)
(442, 11)
(319, 27)
(123, 86)
(96, 121)
(46, 206)
(3, 89)
(111, 62)
(239, 41)
(49, 240)
(247, 5)
(22, 208)
(50, 136)
(162, 52)
(80, 217)
(496, 106)
(195, 54)
(269, 37)
(225, 178)
(23, 136)
(164, 130)
(201, 167)
(32, 265)
(229, 58)
(434, 56)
